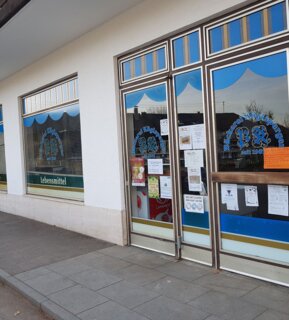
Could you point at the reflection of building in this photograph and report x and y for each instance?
(74, 106)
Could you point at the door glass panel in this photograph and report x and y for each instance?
(192, 144)
(149, 161)
(252, 122)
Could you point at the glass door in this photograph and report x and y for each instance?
(149, 178)
(193, 171)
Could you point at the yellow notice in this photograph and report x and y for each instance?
(276, 158)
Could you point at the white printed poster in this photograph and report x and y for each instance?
(155, 166)
(251, 196)
(164, 127)
(199, 136)
(194, 158)
(185, 138)
(166, 187)
(229, 196)
(278, 200)
(194, 203)
(194, 179)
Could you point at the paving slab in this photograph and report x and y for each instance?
(110, 311)
(127, 294)
(32, 244)
(77, 299)
(164, 308)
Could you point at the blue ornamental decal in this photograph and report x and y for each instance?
(50, 145)
(252, 140)
(149, 142)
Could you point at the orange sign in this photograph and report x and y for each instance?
(276, 158)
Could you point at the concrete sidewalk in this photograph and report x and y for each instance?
(70, 276)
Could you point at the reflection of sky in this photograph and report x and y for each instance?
(189, 101)
(150, 106)
(269, 93)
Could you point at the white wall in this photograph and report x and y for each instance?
(92, 56)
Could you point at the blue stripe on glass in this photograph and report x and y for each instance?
(194, 47)
(216, 37)
(161, 58)
(255, 25)
(126, 71)
(137, 62)
(179, 59)
(200, 220)
(276, 13)
(255, 227)
(149, 62)
(1, 128)
(235, 33)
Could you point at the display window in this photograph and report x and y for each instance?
(3, 177)
(52, 138)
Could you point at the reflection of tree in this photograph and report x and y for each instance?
(286, 120)
(253, 107)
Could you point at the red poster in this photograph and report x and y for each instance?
(137, 172)
(161, 210)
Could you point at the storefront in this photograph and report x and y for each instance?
(205, 123)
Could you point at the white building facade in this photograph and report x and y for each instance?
(165, 127)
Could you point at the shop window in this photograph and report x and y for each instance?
(252, 132)
(253, 26)
(252, 113)
(53, 142)
(3, 178)
(145, 64)
(186, 49)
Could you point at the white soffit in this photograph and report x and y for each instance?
(42, 26)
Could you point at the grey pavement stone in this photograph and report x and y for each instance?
(68, 267)
(31, 274)
(49, 283)
(272, 315)
(163, 308)
(139, 275)
(4, 275)
(229, 308)
(120, 252)
(274, 297)
(232, 286)
(179, 290)
(107, 263)
(56, 312)
(34, 296)
(183, 271)
(128, 294)
(32, 244)
(94, 279)
(77, 299)
(149, 259)
(110, 311)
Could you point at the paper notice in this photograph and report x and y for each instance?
(229, 196)
(155, 166)
(194, 179)
(276, 158)
(185, 138)
(153, 187)
(166, 187)
(199, 136)
(194, 203)
(194, 158)
(164, 127)
(251, 196)
(278, 200)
